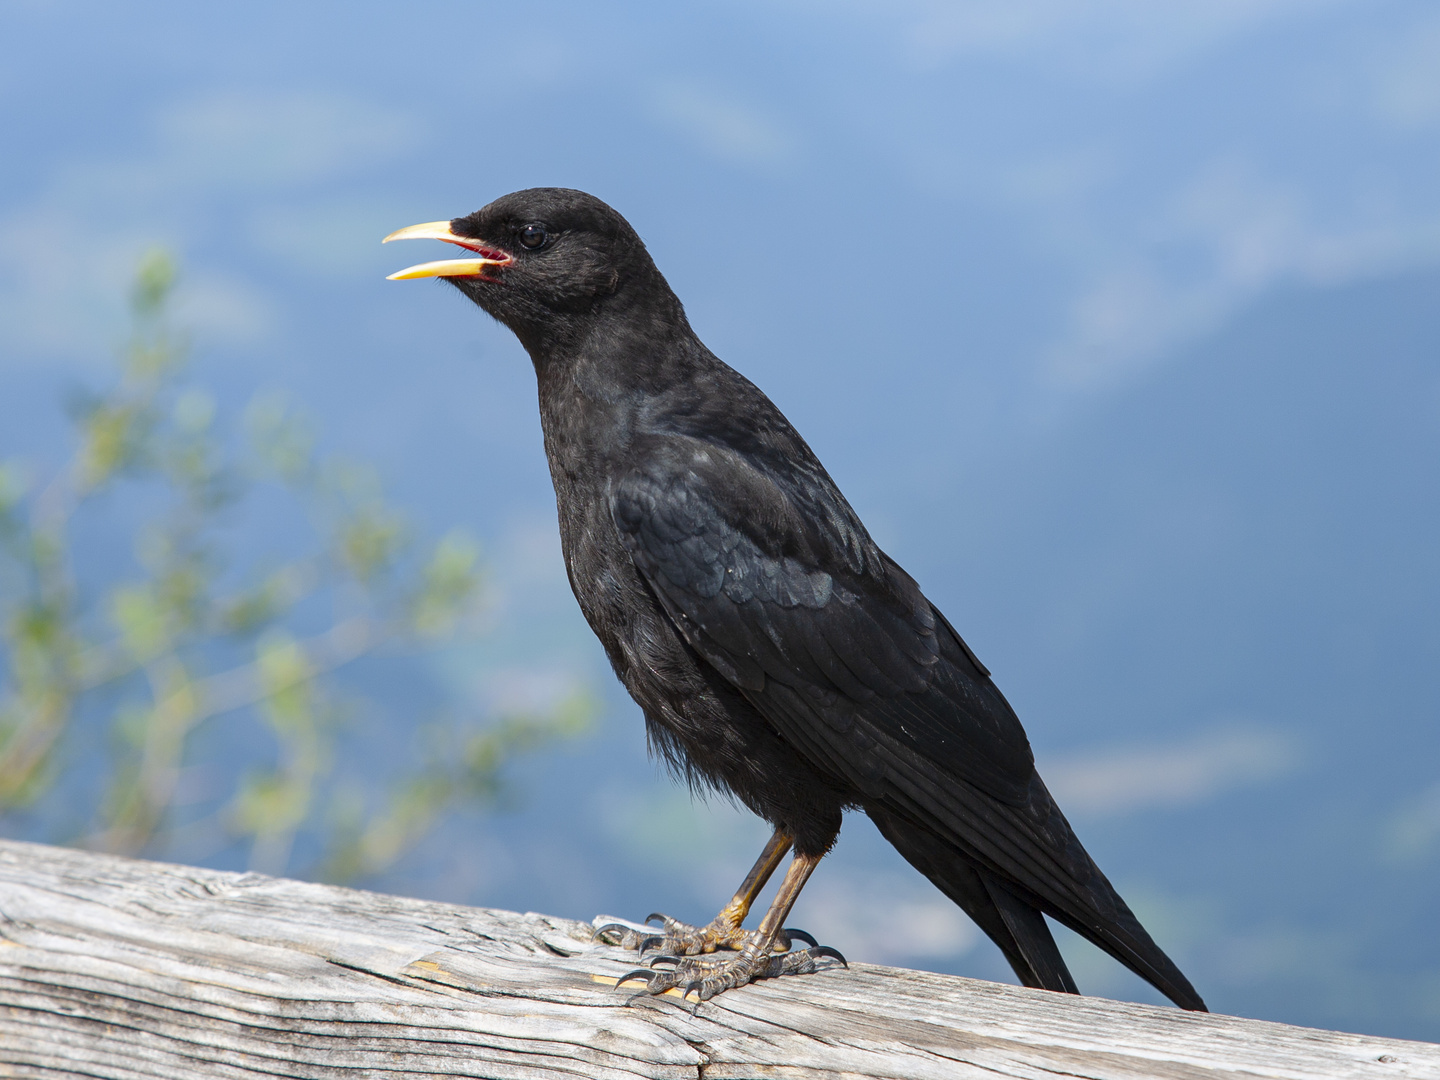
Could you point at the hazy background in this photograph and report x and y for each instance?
(1117, 321)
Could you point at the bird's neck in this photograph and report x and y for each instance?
(600, 386)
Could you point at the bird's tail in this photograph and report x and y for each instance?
(1016, 924)
(1018, 928)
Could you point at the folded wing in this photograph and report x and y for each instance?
(774, 582)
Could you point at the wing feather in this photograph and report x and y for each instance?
(774, 601)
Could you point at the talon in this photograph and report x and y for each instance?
(653, 941)
(817, 951)
(658, 915)
(643, 974)
(664, 958)
(600, 931)
(790, 931)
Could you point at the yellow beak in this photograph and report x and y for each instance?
(440, 230)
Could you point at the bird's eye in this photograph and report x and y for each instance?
(533, 235)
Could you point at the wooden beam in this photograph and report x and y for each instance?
(113, 967)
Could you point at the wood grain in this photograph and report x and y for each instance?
(114, 967)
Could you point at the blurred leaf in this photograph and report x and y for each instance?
(114, 434)
(253, 608)
(168, 653)
(13, 486)
(486, 752)
(451, 585)
(369, 539)
(271, 803)
(154, 280)
(140, 620)
(284, 672)
(282, 440)
(464, 767)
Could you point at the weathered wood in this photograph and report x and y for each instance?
(118, 968)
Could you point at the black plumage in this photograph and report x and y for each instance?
(778, 654)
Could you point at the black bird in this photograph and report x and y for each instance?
(778, 654)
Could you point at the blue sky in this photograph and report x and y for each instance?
(1117, 322)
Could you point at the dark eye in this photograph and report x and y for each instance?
(533, 235)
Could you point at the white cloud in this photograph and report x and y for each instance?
(66, 257)
(1220, 238)
(723, 127)
(330, 237)
(1407, 79)
(1107, 40)
(884, 918)
(1413, 831)
(1130, 778)
(60, 290)
(254, 141)
(1111, 39)
(223, 306)
(530, 690)
(709, 843)
(1090, 126)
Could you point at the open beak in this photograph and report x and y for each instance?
(440, 230)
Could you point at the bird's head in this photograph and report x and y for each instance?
(542, 260)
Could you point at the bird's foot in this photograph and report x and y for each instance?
(708, 976)
(675, 938)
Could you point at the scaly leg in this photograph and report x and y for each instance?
(723, 932)
(761, 955)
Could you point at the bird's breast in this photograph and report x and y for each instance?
(602, 575)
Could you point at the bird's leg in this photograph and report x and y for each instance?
(757, 958)
(723, 932)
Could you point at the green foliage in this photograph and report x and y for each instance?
(180, 645)
(463, 766)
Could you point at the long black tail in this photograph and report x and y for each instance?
(1016, 924)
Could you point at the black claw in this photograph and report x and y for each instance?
(601, 930)
(657, 915)
(801, 934)
(694, 984)
(664, 958)
(654, 940)
(825, 950)
(644, 974)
